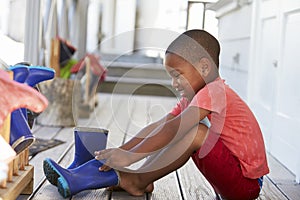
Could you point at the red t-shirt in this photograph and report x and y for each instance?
(238, 128)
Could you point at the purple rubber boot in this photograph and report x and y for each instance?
(38, 74)
(21, 72)
(20, 134)
(84, 177)
(87, 141)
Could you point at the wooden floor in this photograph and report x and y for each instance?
(124, 115)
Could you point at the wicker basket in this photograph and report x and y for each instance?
(63, 96)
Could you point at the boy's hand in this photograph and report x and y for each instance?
(114, 158)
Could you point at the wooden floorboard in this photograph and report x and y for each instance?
(283, 179)
(124, 116)
(193, 184)
(100, 117)
(45, 133)
(48, 191)
(130, 117)
(270, 191)
(92, 195)
(168, 186)
(120, 115)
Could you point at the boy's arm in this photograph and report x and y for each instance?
(142, 134)
(166, 132)
(171, 131)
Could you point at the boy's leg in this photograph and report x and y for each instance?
(166, 161)
(223, 171)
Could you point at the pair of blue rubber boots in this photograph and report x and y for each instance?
(20, 133)
(83, 173)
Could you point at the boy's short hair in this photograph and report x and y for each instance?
(195, 44)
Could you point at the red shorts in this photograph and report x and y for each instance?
(223, 171)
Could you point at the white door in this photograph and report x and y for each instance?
(286, 127)
(264, 72)
(276, 88)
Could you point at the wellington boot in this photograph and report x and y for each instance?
(20, 134)
(87, 141)
(38, 74)
(84, 177)
(20, 72)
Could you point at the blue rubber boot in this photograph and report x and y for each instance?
(84, 177)
(20, 134)
(87, 141)
(21, 72)
(38, 74)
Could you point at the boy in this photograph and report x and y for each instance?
(229, 152)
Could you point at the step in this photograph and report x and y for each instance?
(135, 74)
(127, 85)
(137, 70)
(135, 57)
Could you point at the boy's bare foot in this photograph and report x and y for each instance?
(132, 184)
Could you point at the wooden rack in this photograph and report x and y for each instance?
(20, 173)
(20, 178)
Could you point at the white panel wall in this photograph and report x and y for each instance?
(286, 109)
(274, 78)
(237, 24)
(17, 16)
(234, 36)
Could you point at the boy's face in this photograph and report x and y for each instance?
(186, 78)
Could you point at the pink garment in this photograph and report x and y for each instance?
(96, 66)
(15, 95)
(236, 124)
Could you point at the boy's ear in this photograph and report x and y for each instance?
(204, 66)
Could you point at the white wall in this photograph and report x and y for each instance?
(11, 50)
(259, 59)
(274, 78)
(4, 11)
(17, 12)
(163, 19)
(93, 26)
(118, 25)
(234, 37)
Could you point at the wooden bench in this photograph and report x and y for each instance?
(124, 115)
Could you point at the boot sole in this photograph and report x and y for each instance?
(55, 178)
(50, 172)
(63, 187)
